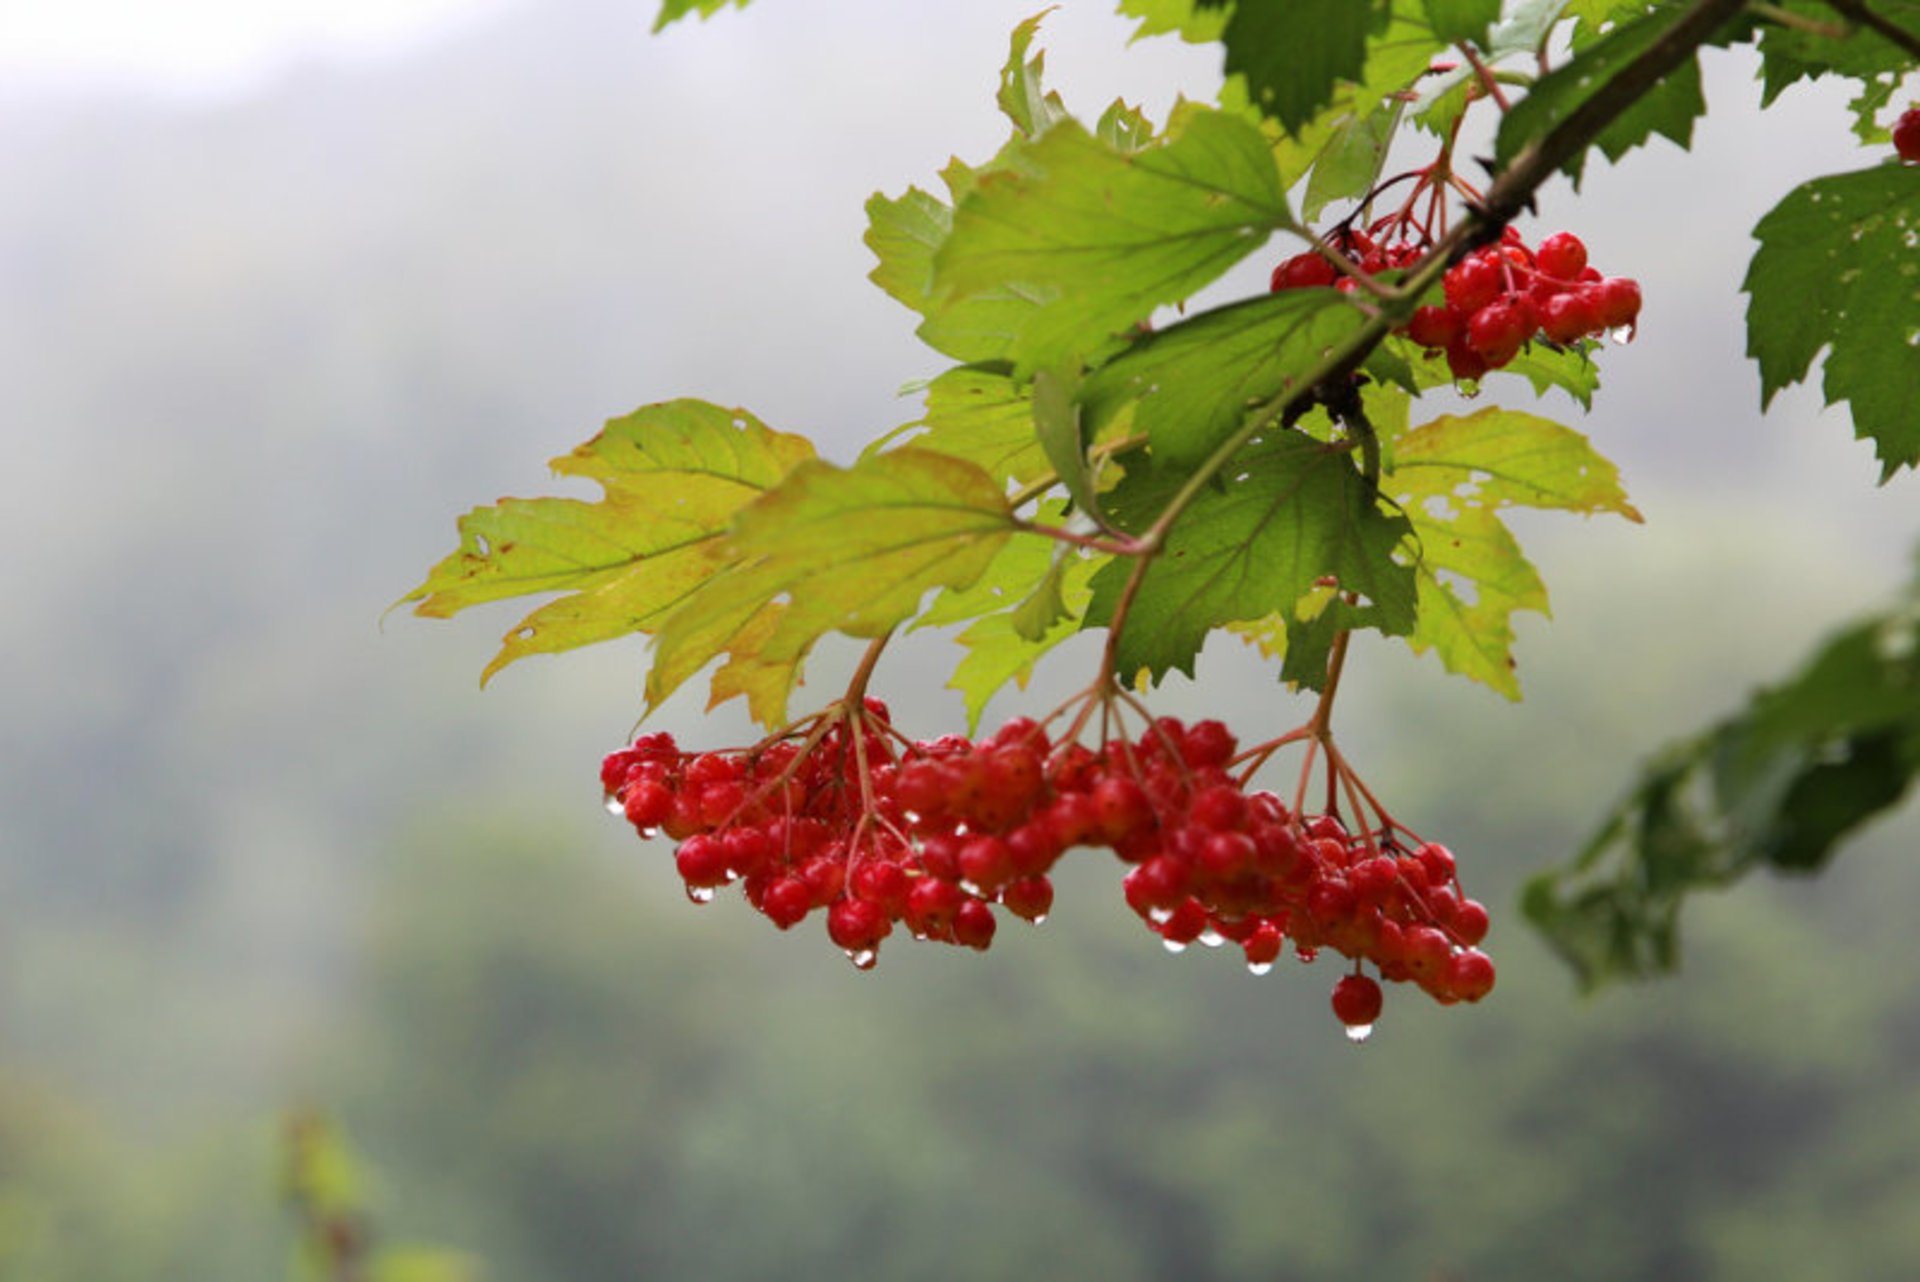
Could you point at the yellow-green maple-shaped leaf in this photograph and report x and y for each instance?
(1451, 476)
(1005, 647)
(852, 550)
(673, 476)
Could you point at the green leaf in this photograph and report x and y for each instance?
(1669, 109)
(672, 11)
(1349, 163)
(1031, 108)
(1789, 54)
(1193, 383)
(420, 1264)
(1096, 238)
(674, 475)
(1781, 783)
(1193, 24)
(1293, 511)
(1293, 52)
(904, 232)
(1468, 20)
(1056, 424)
(1123, 128)
(1001, 649)
(980, 415)
(1569, 368)
(1836, 269)
(847, 549)
(1019, 569)
(1451, 477)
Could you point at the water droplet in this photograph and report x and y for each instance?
(1259, 968)
(1173, 945)
(1212, 938)
(647, 834)
(615, 806)
(1622, 335)
(863, 958)
(1159, 916)
(1357, 1033)
(1040, 918)
(700, 894)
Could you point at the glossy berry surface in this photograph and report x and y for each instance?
(1906, 135)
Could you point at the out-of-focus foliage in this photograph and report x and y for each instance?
(1779, 784)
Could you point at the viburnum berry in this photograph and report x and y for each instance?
(1357, 1002)
(1906, 135)
(877, 830)
(1561, 255)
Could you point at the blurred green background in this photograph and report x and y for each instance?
(260, 345)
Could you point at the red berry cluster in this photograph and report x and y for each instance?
(879, 831)
(1906, 135)
(1497, 298)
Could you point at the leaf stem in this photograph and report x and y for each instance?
(1857, 11)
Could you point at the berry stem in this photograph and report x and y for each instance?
(1488, 85)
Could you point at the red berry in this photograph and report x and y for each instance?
(1030, 897)
(787, 901)
(1472, 283)
(1568, 317)
(1906, 135)
(1303, 271)
(1619, 302)
(857, 924)
(1433, 326)
(1497, 332)
(973, 924)
(1561, 256)
(1469, 975)
(1357, 1000)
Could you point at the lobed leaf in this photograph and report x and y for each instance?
(1836, 269)
(1293, 512)
(1781, 783)
(1668, 109)
(1004, 647)
(1094, 239)
(1451, 476)
(1293, 52)
(834, 549)
(673, 475)
(1192, 384)
(1032, 108)
(671, 11)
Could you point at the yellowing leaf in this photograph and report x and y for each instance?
(837, 549)
(673, 476)
(1451, 476)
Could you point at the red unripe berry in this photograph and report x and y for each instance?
(1469, 975)
(1906, 135)
(1619, 302)
(1497, 332)
(648, 804)
(1357, 1000)
(749, 850)
(1208, 743)
(702, 861)
(1438, 861)
(857, 924)
(1433, 326)
(1568, 317)
(1562, 255)
(1470, 922)
(1262, 947)
(986, 862)
(1472, 283)
(1030, 897)
(1303, 271)
(1122, 806)
(932, 905)
(883, 882)
(973, 924)
(1463, 362)
(787, 901)
(1189, 918)
(1427, 952)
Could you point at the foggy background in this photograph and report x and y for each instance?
(277, 304)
